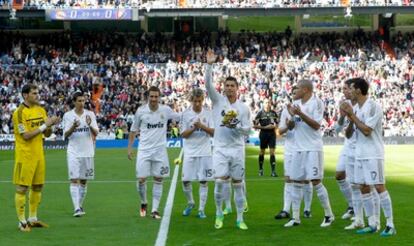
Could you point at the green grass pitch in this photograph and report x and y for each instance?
(112, 207)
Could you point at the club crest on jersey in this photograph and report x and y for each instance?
(297, 119)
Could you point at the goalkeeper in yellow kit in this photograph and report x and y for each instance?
(30, 123)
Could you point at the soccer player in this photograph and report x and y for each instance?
(232, 124)
(307, 159)
(80, 128)
(369, 154)
(286, 126)
(196, 130)
(30, 123)
(345, 174)
(266, 121)
(152, 160)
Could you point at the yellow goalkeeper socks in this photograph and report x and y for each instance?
(34, 200)
(20, 201)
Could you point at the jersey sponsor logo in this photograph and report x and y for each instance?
(82, 129)
(157, 125)
(36, 123)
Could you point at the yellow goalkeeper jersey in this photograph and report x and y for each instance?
(26, 119)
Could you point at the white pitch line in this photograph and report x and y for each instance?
(165, 222)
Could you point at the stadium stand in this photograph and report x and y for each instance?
(115, 69)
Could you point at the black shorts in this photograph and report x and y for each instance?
(267, 139)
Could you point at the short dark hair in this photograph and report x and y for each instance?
(154, 88)
(76, 95)
(28, 87)
(348, 82)
(361, 84)
(231, 78)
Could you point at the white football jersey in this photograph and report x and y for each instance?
(224, 136)
(199, 142)
(80, 142)
(307, 138)
(152, 126)
(372, 146)
(289, 135)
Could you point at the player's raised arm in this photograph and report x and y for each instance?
(212, 93)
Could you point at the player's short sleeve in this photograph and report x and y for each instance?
(184, 124)
(94, 123)
(172, 115)
(283, 118)
(66, 122)
(20, 120)
(374, 115)
(136, 122)
(318, 111)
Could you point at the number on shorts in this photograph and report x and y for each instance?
(209, 173)
(164, 170)
(315, 171)
(89, 172)
(373, 175)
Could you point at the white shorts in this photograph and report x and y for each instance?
(307, 165)
(153, 163)
(81, 167)
(342, 162)
(369, 172)
(229, 162)
(350, 169)
(287, 164)
(197, 168)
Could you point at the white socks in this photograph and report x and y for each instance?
(203, 196)
(142, 190)
(324, 199)
(239, 200)
(218, 196)
(296, 196)
(357, 203)
(386, 205)
(74, 193)
(287, 201)
(307, 195)
(227, 193)
(156, 195)
(188, 192)
(345, 188)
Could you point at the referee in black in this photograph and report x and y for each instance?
(267, 120)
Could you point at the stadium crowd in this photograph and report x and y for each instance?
(162, 4)
(116, 69)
